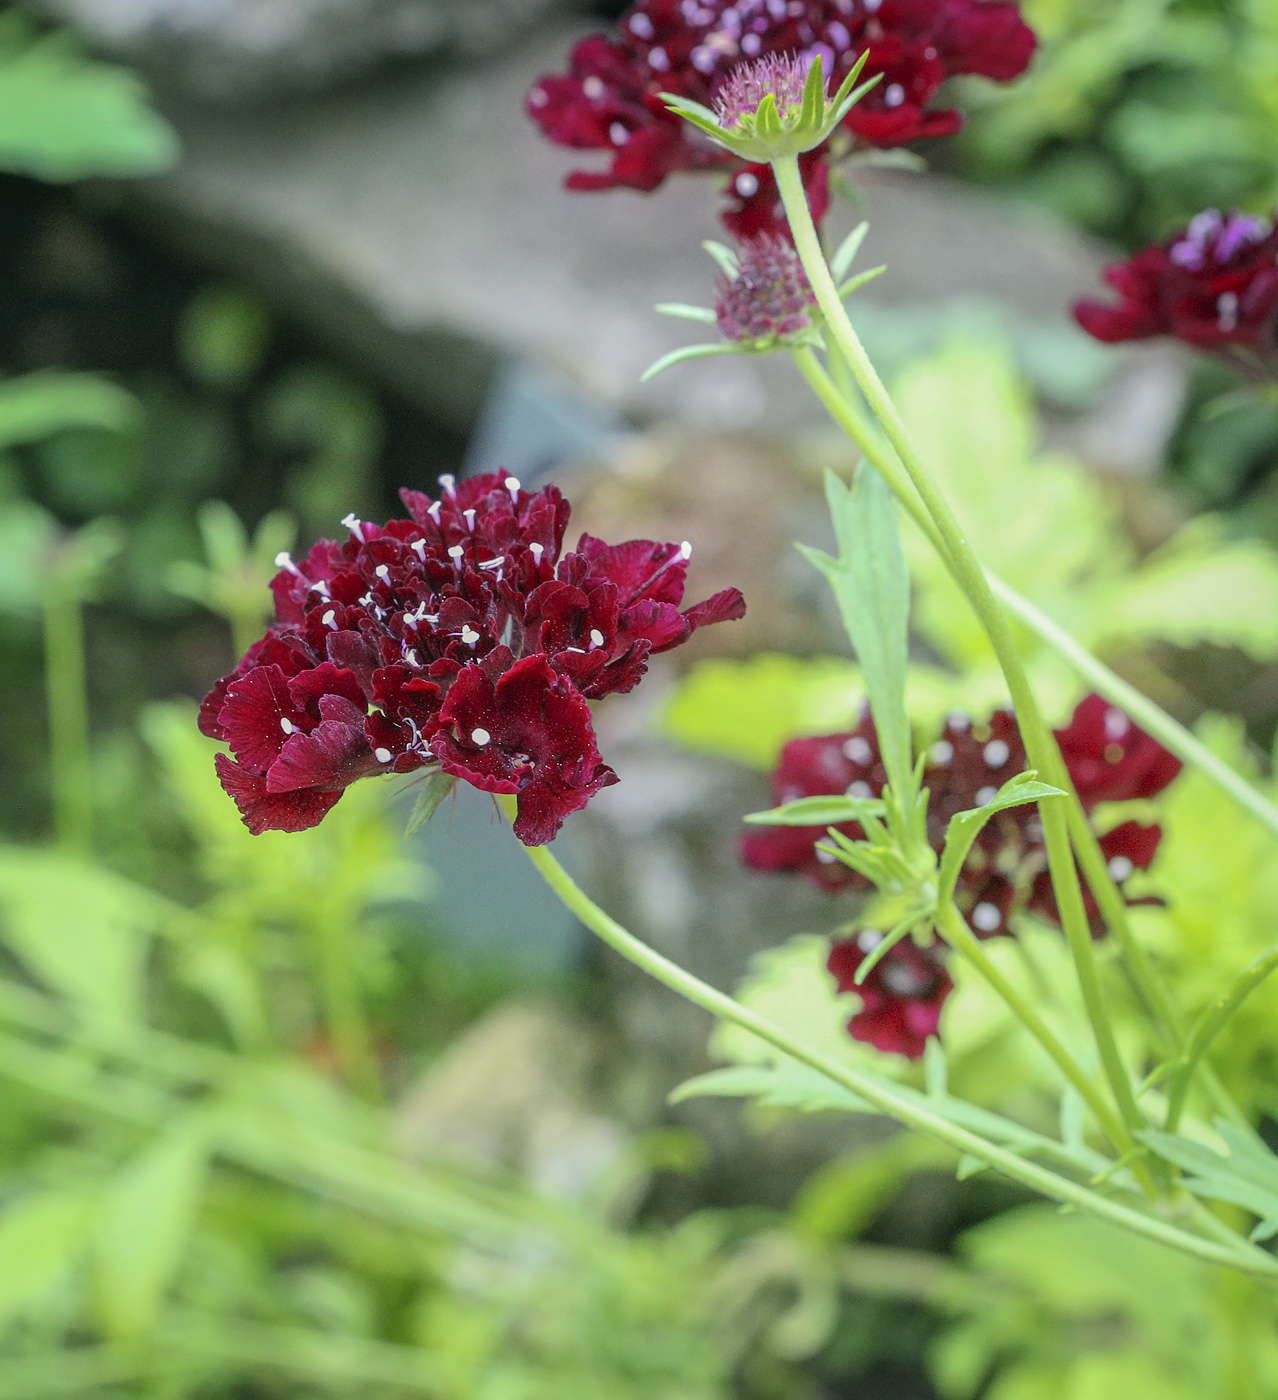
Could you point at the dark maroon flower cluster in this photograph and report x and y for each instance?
(610, 98)
(768, 298)
(1214, 285)
(901, 998)
(460, 638)
(1108, 758)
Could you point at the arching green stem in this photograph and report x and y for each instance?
(1040, 746)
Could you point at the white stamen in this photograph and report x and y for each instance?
(593, 87)
(480, 737)
(537, 550)
(455, 551)
(685, 550)
(287, 726)
(284, 560)
(942, 752)
(330, 618)
(986, 917)
(411, 657)
(469, 635)
(419, 549)
(596, 637)
(858, 750)
(618, 134)
(997, 753)
(433, 511)
(354, 525)
(824, 856)
(1116, 725)
(492, 563)
(868, 939)
(449, 483)
(985, 795)
(959, 721)
(860, 789)
(747, 185)
(382, 571)
(469, 517)
(893, 95)
(1121, 868)
(512, 485)
(382, 755)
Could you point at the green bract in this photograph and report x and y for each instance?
(778, 127)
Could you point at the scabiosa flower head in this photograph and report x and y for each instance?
(778, 76)
(901, 998)
(462, 638)
(610, 97)
(1108, 759)
(1214, 285)
(768, 300)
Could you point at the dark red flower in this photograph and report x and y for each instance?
(902, 997)
(754, 206)
(1214, 285)
(768, 298)
(610, 98)
(1108, 759)
(462, 637)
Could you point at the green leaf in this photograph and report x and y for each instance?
(147, 1216)
(846, 253)
(817, 811)
(27, 536)
(786, 1085)
(872, 586)
(748, 710)
(65, 117)
(854, 284)
(687, 352)
(433, 792)
(42, 1237)
(38, 405)
(965, 827)
(723, 255)
(1247, 1177)
(79, 930)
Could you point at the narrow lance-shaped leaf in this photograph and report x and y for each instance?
(872, 586)
(843, 259)
(687, 352)
(818, 811)
(1247, 1177)
(433, 792)
(965, 827)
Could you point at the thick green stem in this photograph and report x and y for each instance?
(68, 707)
(880, 1095)
(1040, 746)
(954, 930)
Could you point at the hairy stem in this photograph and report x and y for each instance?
(68, 708)
(881, 1095)
(1040, 746)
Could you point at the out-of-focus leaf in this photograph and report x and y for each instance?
(146, 1220)
(27, 534)
(79, 929)
(42, 1237)
(1247, 1177)
(64, 116)
(965, 827)
(38, 405)
(776, 1086)
(433, 793)
(223, 336)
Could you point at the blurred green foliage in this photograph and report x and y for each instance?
(1136, 113)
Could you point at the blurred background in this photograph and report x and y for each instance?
(353, 1114)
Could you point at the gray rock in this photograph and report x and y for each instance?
(421, 226)
(231, 50)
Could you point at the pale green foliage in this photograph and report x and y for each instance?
(1042, 523)
(65, 117)
(1069, 1308)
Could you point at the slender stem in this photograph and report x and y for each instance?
(954, 930)
(1040, 746)
(344, 1011)
(879, 1094)
(1144, 974)
(68, 707)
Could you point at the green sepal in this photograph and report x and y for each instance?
(685, 312)
(882, 948)
(688, 352)
(723, 255)
(818, 811)
(965, 827)
(854, 284)
(846, 253)
(433, 792)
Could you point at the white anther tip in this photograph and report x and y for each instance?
(480, 737)
(382, 755)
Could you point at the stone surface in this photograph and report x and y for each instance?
(421, 227)
(236, 50)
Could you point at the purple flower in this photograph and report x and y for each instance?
(461, 638)
(610, 98)
(1214, 285)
